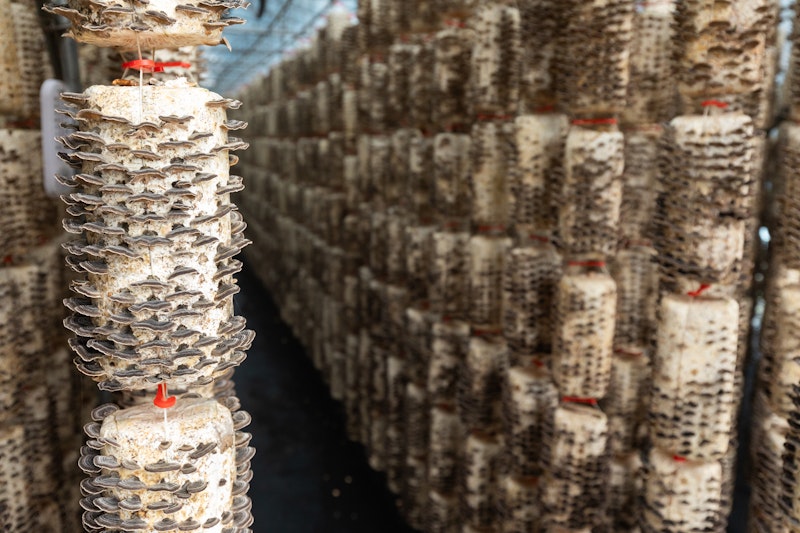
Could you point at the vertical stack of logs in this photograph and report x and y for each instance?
(152, 309)
(40, 398)
(774, 438)
(650, 103)
(710, 172)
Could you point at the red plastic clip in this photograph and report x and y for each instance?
(148, 65)
(703, 288)
(590, 264)
(577, 399)
(714, 103)
(489, 229)
(180, 64)
(162, 400)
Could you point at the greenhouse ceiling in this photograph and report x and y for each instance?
(273, 30)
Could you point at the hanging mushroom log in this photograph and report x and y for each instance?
(138, 25)
(704, 205)
(495, 62)
(576, 466)
(158, 236)
(652, 56)
(584, 333)
(593, 56)
(592, 192)
(535, 173)
(722, 54)
(191, 474)
(33, 64)
(681, 495)
(692, 405)
(14, 494)
(27, 216)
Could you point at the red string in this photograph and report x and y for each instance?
(577, 399)
(162, 400)
(545, 109)
(703, 288)
(148, 65)
(540, 238)
(714, 103)
(487, 229)
(626, 352)
(7, 260)
(482, 332)
(596, 264)
(485, 117)
(538, 363)
(455, 23)
(593, 121)
(28, 123)
(679, 459)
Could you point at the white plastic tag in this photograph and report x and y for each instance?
(51, 124)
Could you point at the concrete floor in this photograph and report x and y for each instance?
(308, 478)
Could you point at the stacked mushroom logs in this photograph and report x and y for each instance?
(705, 225)
(484, 313)
(650, 102)
(774, 441)
(40, 399)
(581, 196)
(153, 304)
(443, 257)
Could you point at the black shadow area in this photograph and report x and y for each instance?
(308, 478)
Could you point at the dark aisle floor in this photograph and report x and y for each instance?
(308, 478)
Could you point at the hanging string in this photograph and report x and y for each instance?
(162, 401)
(578, 399)
(141, 80)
